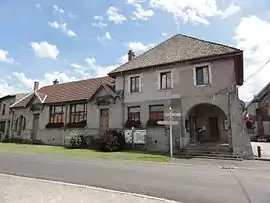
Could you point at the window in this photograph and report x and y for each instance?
(20, 124)
(57, 114)
(134, 113)
(78, 113)
(135, 84)
(202, 75)
(166, 80)
(156, 112)
(4, 109)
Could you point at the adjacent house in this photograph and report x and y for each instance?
(5, 113)
(50, 113)
(258, 110)
(196, 78)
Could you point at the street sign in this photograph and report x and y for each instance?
(172, 114)
(167, 123)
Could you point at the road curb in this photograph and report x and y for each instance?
(91, 188)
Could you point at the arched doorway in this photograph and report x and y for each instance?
(207, 123)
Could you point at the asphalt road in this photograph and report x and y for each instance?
(190, 182)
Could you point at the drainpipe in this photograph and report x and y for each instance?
(65, 123)
(123, 100)
(12, 121)
(182, 134)
(229, 118)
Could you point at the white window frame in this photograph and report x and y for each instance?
(195, 75)
(159, 78)
(140, 83)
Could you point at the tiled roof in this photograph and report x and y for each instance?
(71, 91)
(176, 49)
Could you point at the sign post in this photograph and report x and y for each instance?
(170, 122)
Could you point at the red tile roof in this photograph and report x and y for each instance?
(65, 92)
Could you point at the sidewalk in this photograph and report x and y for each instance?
(14, 189)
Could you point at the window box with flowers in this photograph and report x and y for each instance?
(133, 117)
(54, 125)
(80, 124)
(156, 113)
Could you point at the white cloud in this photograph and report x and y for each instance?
(99, 22)
(137, 47)
(4, 57)
(63, 27)
(195, 11)
(141, 13)
(45, 50)
(114, 16)
(9, 88)
(256, 45)
(232, 9)
(104, 38)
(164, 34)
(58, 10)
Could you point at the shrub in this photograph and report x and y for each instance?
(112, 141)
(131, 123)
(38, 142)
(75, 142)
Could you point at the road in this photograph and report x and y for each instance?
(187, 181)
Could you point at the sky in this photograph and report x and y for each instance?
(44, 40)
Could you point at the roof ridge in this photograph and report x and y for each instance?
(76, 81)
(208, 41)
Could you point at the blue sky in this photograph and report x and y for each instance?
(71, 40)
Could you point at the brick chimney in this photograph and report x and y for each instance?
(55, 82)
(36, 84)
(131, 55)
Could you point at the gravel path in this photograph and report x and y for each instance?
(15, 189)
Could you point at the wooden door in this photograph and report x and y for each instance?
(213, 123)
(104, 120)
(35, 126)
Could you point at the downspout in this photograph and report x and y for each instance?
(12, 121)
(182, 135)
(123, 101)
(65, 124)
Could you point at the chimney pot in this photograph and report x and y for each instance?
(36, 84)
(131, 55)
(55, 82)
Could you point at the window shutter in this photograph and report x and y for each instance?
(140, 82)
(210, 73)
(194, 76)
(128, 84)
(172, 77)
(158, 80)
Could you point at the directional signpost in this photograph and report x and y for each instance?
(170, 122)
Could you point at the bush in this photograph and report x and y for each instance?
(112, 141)
(77, 142)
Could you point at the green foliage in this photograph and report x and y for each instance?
(111, 141)
(131, 123)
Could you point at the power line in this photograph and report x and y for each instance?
(255, 73)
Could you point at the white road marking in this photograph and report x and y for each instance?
(93, 188)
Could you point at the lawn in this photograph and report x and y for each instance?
(83, 153)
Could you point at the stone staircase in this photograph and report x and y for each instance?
(207, 151)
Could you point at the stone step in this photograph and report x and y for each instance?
(188, 156)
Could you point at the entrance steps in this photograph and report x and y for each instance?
(207, 151)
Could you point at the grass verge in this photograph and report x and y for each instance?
(84, 153)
